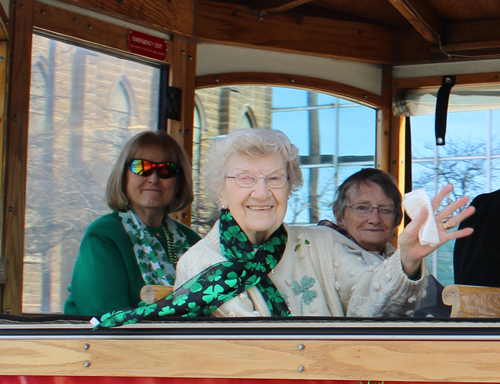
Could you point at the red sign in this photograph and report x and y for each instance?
(147, 45)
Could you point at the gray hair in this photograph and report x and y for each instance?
(116, 198)
(253, 142)
(384, 180)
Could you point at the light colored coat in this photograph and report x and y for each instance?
(322, 273)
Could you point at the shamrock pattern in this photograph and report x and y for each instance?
(154, 263)
(205, 292)
(303, 289)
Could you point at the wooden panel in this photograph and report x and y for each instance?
(472, 301)
(411, 48)
(384, 360)
(4, 25)
(3, 131)
(471, 31)
(384, 121)
(173, 15)
(16, 157)
(320, 85)
(275, 5)
(182, 75)
(226, 23)
(85, 28)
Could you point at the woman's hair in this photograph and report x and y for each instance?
(116, 198)
(377, 176)
(254, 142)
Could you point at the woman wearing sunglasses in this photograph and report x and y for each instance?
(138, 243)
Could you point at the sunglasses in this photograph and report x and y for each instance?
(146, 168)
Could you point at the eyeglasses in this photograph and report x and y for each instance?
(244, 180)
(363, 210)
(145, 168)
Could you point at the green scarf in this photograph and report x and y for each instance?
(205, 292)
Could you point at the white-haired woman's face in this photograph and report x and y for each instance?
(259, 210)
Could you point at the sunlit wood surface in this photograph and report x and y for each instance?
(472, 301)
(446, 361)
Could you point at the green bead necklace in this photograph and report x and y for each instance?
(172, 255)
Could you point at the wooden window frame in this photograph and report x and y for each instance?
(27, 18)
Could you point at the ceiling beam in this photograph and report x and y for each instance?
(275, 5)
(224, 23)
(423, 19)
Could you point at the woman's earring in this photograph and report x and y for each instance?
(223, 206)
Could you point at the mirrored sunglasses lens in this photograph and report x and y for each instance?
(167, 170)
(141, 167)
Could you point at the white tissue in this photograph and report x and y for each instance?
(414, 202)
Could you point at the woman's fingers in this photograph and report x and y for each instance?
(436, 201)
(454, 221)
(450, 209)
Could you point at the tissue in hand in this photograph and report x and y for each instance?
(413, 202)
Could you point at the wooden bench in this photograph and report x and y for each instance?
(152, 293)
(472, 301)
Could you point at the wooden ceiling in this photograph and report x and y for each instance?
(375, 31)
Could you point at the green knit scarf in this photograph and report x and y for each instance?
(201, 295)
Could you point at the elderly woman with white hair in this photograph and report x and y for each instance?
(252, 264)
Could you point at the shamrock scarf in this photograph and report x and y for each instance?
(154, 263)
(245, 267)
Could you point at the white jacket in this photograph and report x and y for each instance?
(322, 273)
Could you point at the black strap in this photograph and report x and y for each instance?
(408, 164)
(443, 96)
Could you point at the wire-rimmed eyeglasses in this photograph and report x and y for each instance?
(362, 209)
(245, 180)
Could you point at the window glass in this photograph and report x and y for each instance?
(335, 138)
(84, 106)
(246, 121)
(470, 160)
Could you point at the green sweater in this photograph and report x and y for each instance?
(106, 276)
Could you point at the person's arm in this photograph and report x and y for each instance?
(101, 280)
(386, 291)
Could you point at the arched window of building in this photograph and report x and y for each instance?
(121, 103)
(247, 118)
(198, 126)
(77, 104)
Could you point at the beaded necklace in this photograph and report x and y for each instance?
(172, 255)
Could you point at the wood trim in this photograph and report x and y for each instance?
(476, 45)
(182, 75)
(4, 25)
(356, 360)
(85, 28)
(283, 80)
(435, 81)
(176, 16)
(397, 155)
(384, 121)
(275, 5)
(421, 17)
(16, 156)
(225, 23)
